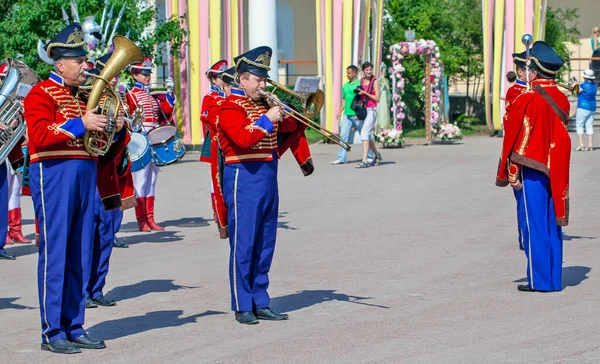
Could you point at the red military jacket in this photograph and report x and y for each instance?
(241, 119)
(513, 92)
(54, 126)
(156, 110)
(55, 131)
(536, 136)
(116, 165)
(208, 116)
(246, 133)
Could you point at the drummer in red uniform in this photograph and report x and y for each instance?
(208, 117)
(155, 113)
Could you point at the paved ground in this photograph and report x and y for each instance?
(413, 261)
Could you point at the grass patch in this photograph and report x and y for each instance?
(468, 130)
(312, 136)
(414, 133)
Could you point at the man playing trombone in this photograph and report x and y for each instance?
(247, 132)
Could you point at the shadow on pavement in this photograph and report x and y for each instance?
(571, 237)
(114, 329)
(185, 222)
(154, 237)
(571, 276)
(309, 298)
(144, 287)
(7, 303)
(20, 250)
(283, 224)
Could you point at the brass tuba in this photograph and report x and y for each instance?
(125, 52)
(16, 84)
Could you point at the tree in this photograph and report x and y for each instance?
(30, 20)
(561, 27)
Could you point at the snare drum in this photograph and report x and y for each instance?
(166, 145)
(139, 152)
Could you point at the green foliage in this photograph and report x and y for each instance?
(455, 25)
(561, 27)
(468, 120)
(29, 20)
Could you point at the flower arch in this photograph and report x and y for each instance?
(398, 52)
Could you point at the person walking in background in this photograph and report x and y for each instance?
(595, 64)
(370, 92)
(346, 115)
(586, 108)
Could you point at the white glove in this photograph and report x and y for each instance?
(170, 84)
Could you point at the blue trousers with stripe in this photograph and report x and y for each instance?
(252, 199)
(103, 245)
(3, 205)
(543, 240)
(117, 219)
(63, 193)
(520, 211)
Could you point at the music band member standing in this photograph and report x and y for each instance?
(512, 93)
(155, 113)
(535, 158)
(247, 133)
(216, 158)
(15, 229)
(208, 116)
(63, 186)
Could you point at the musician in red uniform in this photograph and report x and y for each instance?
(248, 130)
(535, 158)
(63, 187)
(216, 157)
(122, 166)
(15, 228)
(208, 117)
(513, 92)
(156, 112)
(15, 159)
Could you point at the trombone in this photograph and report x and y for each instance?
(299, 117)
(573, 88)
(312, 103)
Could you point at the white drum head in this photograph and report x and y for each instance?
(161, 134)
(138, 144)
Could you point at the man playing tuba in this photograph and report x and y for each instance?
(63, 186)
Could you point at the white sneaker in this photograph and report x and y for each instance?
(337, 161)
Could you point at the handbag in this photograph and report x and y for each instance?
(359, 104)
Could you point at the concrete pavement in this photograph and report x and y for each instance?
(413, 261)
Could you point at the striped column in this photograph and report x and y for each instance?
(262, 29)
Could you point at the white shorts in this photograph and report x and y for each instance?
(368, 125)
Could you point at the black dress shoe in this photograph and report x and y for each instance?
(90, 304)
(526, 288)
(102, 301)
(62, 346)
(85, 342)
(268, 314)
(119, 244)
(246, 318)
(4, 255)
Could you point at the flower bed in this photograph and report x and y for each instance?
(390, 138)
(448, 132)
